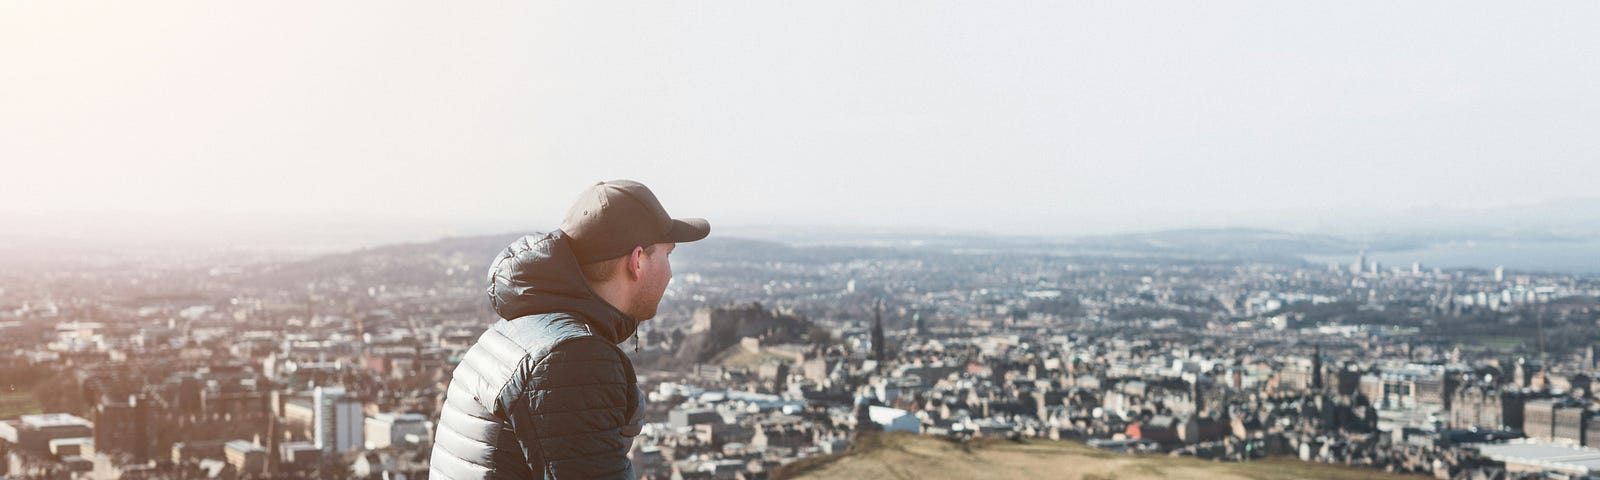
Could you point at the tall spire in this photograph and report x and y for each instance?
(877, 332)
(1316, 368)
(1544, 379)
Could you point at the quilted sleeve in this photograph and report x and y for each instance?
(568, 411)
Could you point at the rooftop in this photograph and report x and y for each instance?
(53, 420)
(243, 446)
(1574, 459)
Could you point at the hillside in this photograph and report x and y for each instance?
(717, 332)
(898, 455)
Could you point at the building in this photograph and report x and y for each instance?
(300, 455)
(124, 427)
(1591, 431)
(1530, 457)
(1478, 406)
(338, 425)
(1556, 420)
(1160, 429)
(681, 418)
(300, 417)
(1570, 424)
(246, 457)
(1414, 386)
(1196, 429)
(894, 419)
(34, 432)
(240, 401)
(389, 429)
(195, 451)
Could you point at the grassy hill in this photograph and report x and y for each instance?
(898, 455)
(15, 403)
(737, 357)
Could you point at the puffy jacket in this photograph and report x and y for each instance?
(545, 393)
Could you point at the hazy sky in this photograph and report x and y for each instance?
(1049, 117)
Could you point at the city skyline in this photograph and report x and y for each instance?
(764, 355)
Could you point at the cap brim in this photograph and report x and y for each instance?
(687, 230)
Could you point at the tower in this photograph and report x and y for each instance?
(1316, 368)
(877, 332)
(361, 336)
(274, 444)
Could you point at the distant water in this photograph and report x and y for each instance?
(1582, 257)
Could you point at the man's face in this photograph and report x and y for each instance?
(655, 273)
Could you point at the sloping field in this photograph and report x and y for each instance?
(907, 456)
(13, 404)
(737, 357)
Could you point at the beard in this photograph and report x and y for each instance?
(645, 305)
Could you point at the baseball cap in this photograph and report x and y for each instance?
(611, 218)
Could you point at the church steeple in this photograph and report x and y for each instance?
(1198, 395)
(1316, 368)
(877, 332)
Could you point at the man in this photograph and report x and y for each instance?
(546, 392)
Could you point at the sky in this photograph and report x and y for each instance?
(1053, 118)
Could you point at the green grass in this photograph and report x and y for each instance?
(911, 456)
(18, 403)
(737, 357)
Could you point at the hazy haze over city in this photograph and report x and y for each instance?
(1027, 118)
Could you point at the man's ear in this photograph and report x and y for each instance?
(635, 263)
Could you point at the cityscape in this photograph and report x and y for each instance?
(1231, 240)
(765, 353)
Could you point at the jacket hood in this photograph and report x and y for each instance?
(539, 274)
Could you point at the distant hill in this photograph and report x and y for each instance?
(468, 258)
(717, 330)
(1238, 242)
(416, 264)
(900, 455)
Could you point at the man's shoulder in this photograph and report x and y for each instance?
(569, 358)
(537, 334)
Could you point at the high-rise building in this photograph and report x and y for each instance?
(338, 420)
(123, 427)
